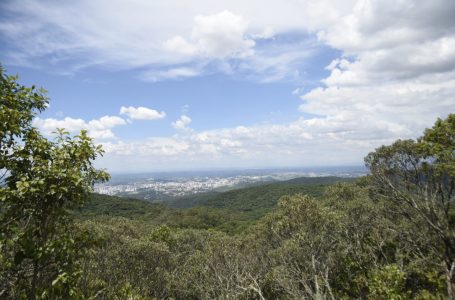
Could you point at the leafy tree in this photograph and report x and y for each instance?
(388, 283)
(419, 178)
(40, 181)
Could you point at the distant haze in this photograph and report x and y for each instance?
(162, 186)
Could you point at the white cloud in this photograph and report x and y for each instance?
(99, 128)
(422, 42)
(303, 142)
(220, 35)
(141, 113)
(179, 45)
(106, 122)
(182, 123)
(153, 147)
(278, 62)
(50, 125)
(173, 73)
(204, 35)
(397, 71)
(268, 33)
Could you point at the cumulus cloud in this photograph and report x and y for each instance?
(394, 78)
(216, 36)
(99, 128)
(420, 43)
(182, 123)
(141, 113)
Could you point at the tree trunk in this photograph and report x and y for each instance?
(449, 276)
(32, 295)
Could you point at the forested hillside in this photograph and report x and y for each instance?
(231, 212)
(342, 244)
(388, 235)
(259, 197)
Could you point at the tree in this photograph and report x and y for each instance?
(40, 181)
(419, 178)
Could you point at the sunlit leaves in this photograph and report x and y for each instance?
(41, 180)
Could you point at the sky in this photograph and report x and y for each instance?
(194, 85)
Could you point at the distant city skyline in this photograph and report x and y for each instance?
(211, 85)
(154, 186)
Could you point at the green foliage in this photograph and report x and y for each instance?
(342, 246)
(259, 199)
(41, 180)
(418, 179)
(388, 283)
(438, 143)
(104, 205)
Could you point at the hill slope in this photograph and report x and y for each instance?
(259, 198)
(230, 211)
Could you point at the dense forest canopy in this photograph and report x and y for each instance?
(388, 235)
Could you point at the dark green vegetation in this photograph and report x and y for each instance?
(231, 212)
(259, 196)
(389, 235)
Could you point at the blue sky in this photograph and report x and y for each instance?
(170, 85)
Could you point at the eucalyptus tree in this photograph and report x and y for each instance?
(418, 177)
